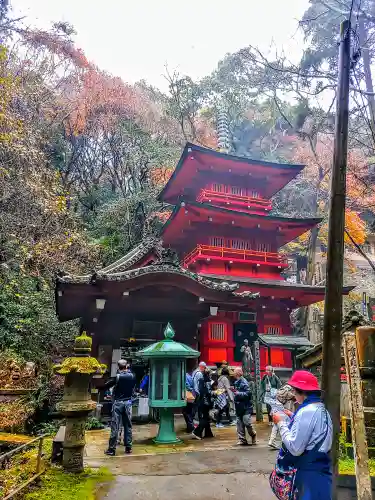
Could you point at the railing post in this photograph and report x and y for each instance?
(39, 458)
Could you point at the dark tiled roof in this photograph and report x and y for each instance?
(285, 340)
(316, 349)
(273, 283)
(261, 281)
(134, 255)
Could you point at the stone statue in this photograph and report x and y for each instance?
(15, 374)
(76, 403)
(247, 358)
(29, 370)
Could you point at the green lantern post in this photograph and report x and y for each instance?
(167, 381)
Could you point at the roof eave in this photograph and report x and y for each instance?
(313, 221)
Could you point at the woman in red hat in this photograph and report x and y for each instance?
(303, 467)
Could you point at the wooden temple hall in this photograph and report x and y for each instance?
(214, 272)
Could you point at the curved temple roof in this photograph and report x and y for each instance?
(197, 163)
(74, 293)
(187, 218)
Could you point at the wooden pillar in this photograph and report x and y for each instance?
(258, 403)
(365, 339)
(293, 351)
(357, 417)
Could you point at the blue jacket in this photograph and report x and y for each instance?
(189, 384)
(144, 384)
(243, 400)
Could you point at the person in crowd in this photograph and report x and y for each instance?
(284, 400)
(204, 403)
(123, 391)
(143, 386)
(303, 465)
(224, 364)
(244, 409)
(268, 388)
(227, 398)
(189, 410)
(197, 376)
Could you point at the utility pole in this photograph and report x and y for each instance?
(331, 366)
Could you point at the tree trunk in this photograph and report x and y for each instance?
(363, 37)
(312, 255)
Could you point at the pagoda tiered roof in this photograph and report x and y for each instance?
(190, 219)
(199, 166)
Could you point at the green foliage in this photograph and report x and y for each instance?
(93, 424)
(347, 466)
(28, 323)
(49, 428)
(122, 222)
(62, 486)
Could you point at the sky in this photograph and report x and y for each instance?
(138, 39)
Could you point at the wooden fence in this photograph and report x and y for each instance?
(39, 469)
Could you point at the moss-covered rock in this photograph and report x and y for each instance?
(83, 343)
(86, 365)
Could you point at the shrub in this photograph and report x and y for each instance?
(93, 424)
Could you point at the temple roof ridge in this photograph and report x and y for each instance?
(135, 254)
(151, 269)
(167, 263)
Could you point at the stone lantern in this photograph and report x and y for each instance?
(167, 381)
(76, 403)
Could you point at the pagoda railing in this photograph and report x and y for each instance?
(247, 202)
(234, 255)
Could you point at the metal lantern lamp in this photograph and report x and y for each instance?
(167, 381)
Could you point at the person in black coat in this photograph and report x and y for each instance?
(123, 391)
(204, 404)
(243, 404)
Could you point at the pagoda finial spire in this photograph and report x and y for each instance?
(223, 133)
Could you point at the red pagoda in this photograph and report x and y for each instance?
(221, 228)
(225, 285)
